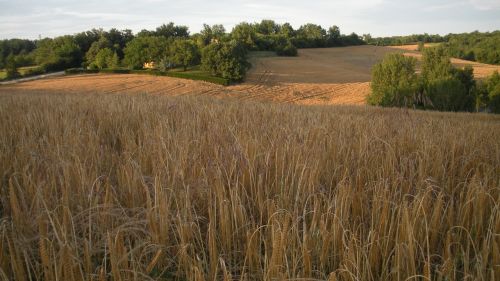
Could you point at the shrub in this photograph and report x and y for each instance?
(287, 50)
(449, 94)
(493, 87)
(421, 46)
(226, 60)
(394, 81)
(103, 59)
(11, 68)
(144, 49)
(436, 64)
(184, 53)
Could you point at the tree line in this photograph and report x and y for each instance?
(475, 46)
(439, 86)
(169, 46)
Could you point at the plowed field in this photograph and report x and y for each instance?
(316, 76)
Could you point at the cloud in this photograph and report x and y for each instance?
(445, 6)
(485, 5)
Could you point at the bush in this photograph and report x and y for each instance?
(34, 71)
(493, 88)
(287, 50)
(226, 60)
(184, 53)
(11, 68)
(449, 94)
(144, 49)
(436, 64)
(394, 81)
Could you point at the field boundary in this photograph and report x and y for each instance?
(181, 75)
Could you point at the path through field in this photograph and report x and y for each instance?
(316, 76)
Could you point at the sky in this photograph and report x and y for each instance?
(49, 18)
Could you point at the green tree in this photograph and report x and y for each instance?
(96, 47)
(103, 59)
(267, 27)
(287, 30)
(286, 49)
(226, 60)
(449, 94)
(171, 30)
(493, 87)
(115, 61)
(11, 68)
(184, 53)
(394, 81)
(144, 49)
(214, 32)
(245, 34)
(334, 36)
(436, 64)
(449, 88)
(310, 36)
(58, 53)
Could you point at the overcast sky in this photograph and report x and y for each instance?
(49, 18)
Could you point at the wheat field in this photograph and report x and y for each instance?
(145, 187)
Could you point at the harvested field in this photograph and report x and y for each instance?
(481, 70)
(316, 76)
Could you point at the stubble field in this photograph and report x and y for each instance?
(316, 76)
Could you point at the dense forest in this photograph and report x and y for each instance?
(168, 46)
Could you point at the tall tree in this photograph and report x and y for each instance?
(184, 53)
(144, 49)
(245, 34)
(226, 60)
(394, 81)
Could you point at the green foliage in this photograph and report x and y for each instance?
(184, 53)
(105, 58)
(436, 64)
(310, 36)
(267, 27)
(144, 49)
(334, 36)
(226, 60)
(449, 94)
(171, 30)
(406, 40)
(15, 47)
(440, 86)
(421, 46)
(58, 53)
(394, 81)
(245, 34)
(11, 68)
(475, 46)
(211, 33)
(96, 47)
(449, 88)
(286, 49)
(493, 88)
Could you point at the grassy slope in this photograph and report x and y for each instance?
(189, 189)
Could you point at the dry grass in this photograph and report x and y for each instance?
(119, 187)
